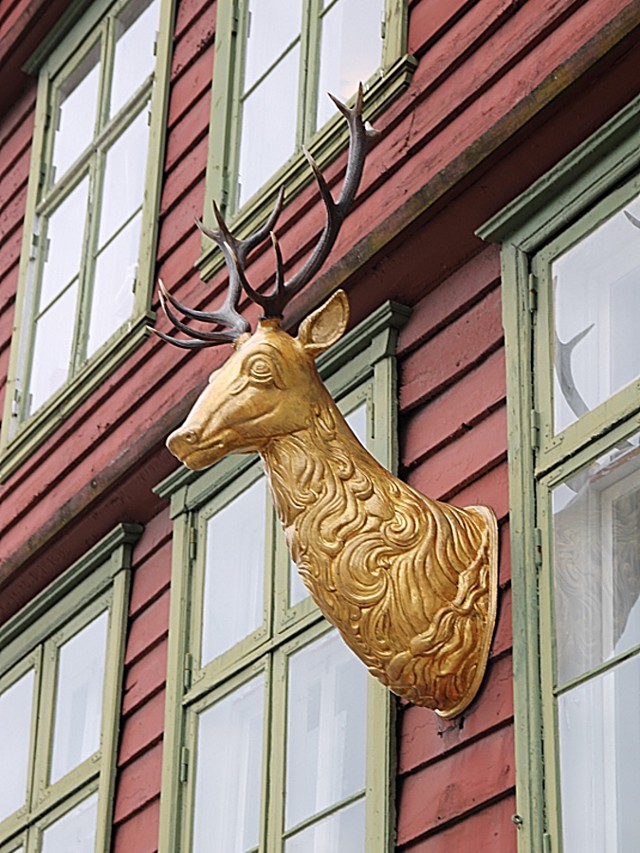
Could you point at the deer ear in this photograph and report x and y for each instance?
(326, 325)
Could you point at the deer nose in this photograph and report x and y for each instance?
(182, 441)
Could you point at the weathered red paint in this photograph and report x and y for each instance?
(462, 781)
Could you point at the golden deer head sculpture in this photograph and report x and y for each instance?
(410, 583)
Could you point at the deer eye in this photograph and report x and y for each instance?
(259, 369)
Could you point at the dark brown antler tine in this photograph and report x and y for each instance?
(236, 252)
(273, 303)
(358, 148)
(211, 337)
(335, 211)
(246, 246)
(203, 316)
(175, 342)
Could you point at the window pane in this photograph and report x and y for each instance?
(269, 126)
(229, 772)
(65, 235)
(597, 292)
(124, 177)
(273, 26)
(115, 274)
(599, 756)
(326, 727)
(350, 50)
(16, 709)
(78, 713)
(234, 572)
(53, 336)
(357, 420)
(136, 28)
(76, 118)
(75, 832)
(343, 830)
(597, 561)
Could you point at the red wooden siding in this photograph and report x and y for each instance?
(456, 779)
(15, 153)
(140, 753)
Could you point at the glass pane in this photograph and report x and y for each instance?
(268, 126)
(75, 832)
(297, 589)
(76, 119)
(357, 420)
(16, 708)
(53, 336)
(597, 295)
(234, 572)
(65, 235)
(124, 177)
(273, 26)
(229, 772)
(78, 713)
(326, 727)
(597, 561)
(343, 830)
(115, 274)
(599, 758)
(350, 50)
(136, 28)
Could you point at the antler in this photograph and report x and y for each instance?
(235, 253)
(273, 303)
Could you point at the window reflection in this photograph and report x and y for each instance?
(597, 561)
(599, 740)
(15, 731)
(228, 781)
(234, 573)
(597, 301)
(346, 61)
(75, 832)
(134, 58)
(78, 716)
(326, 728)
(76, 112)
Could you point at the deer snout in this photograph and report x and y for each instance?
(183, 441)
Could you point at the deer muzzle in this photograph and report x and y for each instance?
(183, 442)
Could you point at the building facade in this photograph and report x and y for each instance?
(166, 682)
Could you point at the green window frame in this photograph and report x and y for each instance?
(360, 371)
(324, 143)
(67, 184)
(570, 473)
(32, 644)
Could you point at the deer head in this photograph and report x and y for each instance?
(249, 399)
(268, 387)
(410, 583)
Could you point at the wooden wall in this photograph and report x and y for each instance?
(503, 89)
(456, 779)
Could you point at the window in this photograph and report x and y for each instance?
(277, 739)
(87, 260)
(60, 680)
(572, 258)
(274, 65)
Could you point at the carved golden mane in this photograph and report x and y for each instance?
(382, 561)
